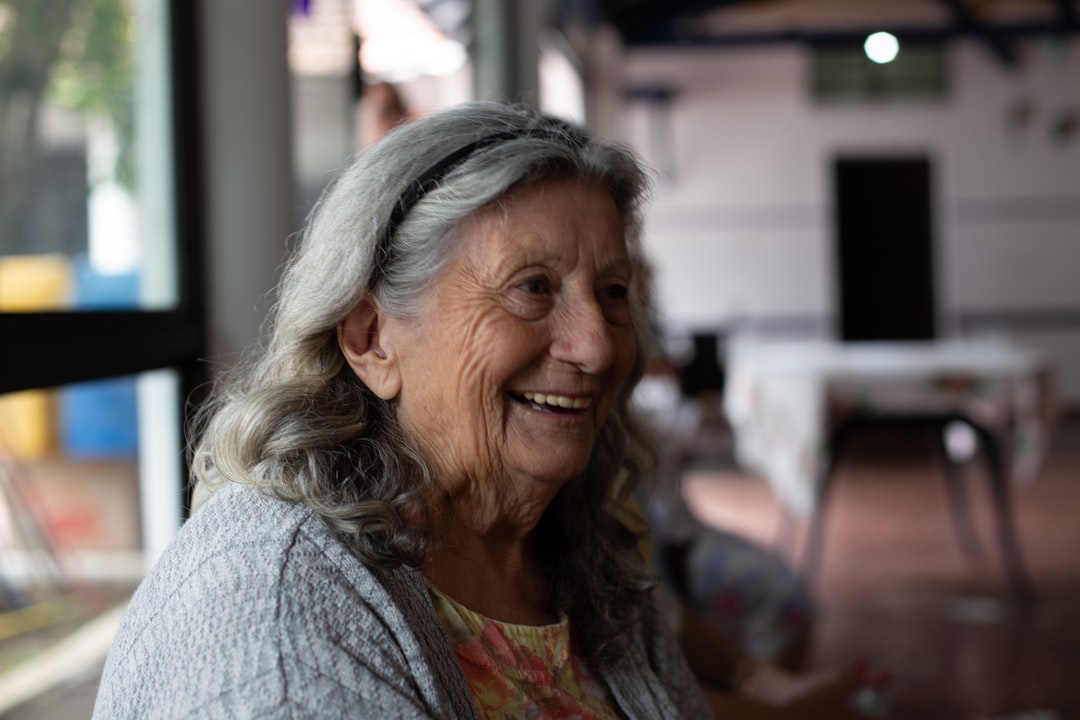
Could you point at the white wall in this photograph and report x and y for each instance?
(741, 223)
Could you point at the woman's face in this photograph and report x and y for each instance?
(522, 343)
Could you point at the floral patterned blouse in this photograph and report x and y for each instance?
(522, 671)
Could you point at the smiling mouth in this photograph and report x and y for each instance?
(553, 403)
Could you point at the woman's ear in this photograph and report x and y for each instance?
(363, 343)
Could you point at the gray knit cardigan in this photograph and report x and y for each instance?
(258, 610)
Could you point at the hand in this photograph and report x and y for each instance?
(829, 694)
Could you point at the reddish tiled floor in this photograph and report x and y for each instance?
(894, 587)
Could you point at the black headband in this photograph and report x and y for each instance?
(431, 177)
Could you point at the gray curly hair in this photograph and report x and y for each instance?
(297, 423)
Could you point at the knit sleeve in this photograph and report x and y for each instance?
(652, 679)
(347, 650)
(255, 612)
(669, 664)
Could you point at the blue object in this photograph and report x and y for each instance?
(99, 419)
(98, 291)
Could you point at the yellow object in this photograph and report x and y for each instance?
(28, 424)
(34, 617)
(31, 283)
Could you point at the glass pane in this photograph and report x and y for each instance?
(843, 74)
(89, 494)
(86, 173)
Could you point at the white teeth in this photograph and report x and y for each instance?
(560, 401)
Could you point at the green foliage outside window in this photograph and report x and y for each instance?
(75, 54)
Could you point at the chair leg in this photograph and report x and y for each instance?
(1010, 546)
(959, 507)
(815, 534)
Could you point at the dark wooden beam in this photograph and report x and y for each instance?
(1067, 12)
(966, 23)
(665, 23)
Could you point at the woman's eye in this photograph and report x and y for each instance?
(615, 299)
(616, 292)
(533, 297)
(536, 286)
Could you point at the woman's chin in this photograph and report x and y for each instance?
(556, 474)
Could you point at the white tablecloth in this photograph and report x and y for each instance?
(784, 397)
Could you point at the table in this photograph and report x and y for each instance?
(793, 406)
(783, 397)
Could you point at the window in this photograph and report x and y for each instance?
(843, 74)
(97, 214)
(100, 312)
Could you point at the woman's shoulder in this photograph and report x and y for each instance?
(238, 532)
(243, 544)
(254, 598)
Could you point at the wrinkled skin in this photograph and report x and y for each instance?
(534, 301)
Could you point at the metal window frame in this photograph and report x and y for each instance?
(48, 349)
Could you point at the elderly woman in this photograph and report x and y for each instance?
(415, 490)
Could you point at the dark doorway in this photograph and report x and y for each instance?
(885, 248)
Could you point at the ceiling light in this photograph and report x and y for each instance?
(881, 47)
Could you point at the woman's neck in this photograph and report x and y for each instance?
(496, 574)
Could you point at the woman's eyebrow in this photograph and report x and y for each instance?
(618, 265)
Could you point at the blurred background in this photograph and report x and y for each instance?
(157, 158)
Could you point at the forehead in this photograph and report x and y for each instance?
(549, 221)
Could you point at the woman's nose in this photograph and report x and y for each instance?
(584, 337)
